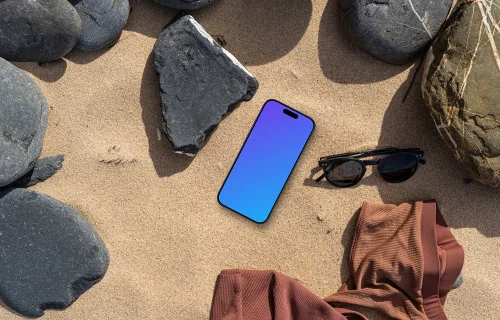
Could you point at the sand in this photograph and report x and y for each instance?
(157, 212)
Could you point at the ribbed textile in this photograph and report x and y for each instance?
(404, 261)
(267, 295)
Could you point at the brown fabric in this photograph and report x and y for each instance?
(442, 262)
(266, 295)
(404, 261)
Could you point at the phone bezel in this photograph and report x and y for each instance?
(243, 145)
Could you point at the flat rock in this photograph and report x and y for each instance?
(393, 31)
(41, 31)
(102, 22)
(49, 254)
(200, 82)
(23, 120)
(185, 4)
(43, 169)
(460, 86)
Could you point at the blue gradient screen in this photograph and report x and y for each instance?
(265, 161)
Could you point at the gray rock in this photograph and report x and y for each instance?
(41, 31)
(460, 86)
(43, 169)
(23, 120)
(49, 254)
(458, 282)
(393, 31)
(200, 82)
(185, 4)
(102, 22)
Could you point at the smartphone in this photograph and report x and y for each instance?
(265, 161)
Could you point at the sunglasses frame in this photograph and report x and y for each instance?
(325, 162)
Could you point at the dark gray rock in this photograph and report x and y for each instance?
(185, 4)
(49, 254)
(460, 86)
(42, 30)
(393, 31)
(200, 82)
(43, 169)
(23, 120)
(458, 282)
(102, 22)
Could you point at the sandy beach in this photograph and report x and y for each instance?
(157, 211)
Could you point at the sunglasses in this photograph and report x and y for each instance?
(345, 170)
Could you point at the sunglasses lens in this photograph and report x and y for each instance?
(344, 173)
(398, 167)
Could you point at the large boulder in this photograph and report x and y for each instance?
(102, 22)
(23, 120)
(49, 254)
(41, 30)
(200, 82)
(393, 31)
(185, 4)
(461, 87)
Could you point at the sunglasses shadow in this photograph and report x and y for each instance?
(370, 180)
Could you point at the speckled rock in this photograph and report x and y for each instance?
(49, 254)
(394, 31)
(185, 4)
(461, 87)
(200, 82)
(102, 22)
(44, 168)
(42, 30)
(23, 120)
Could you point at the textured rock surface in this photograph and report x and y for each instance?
(23, 120)
(200, 82)
(43, 169)
(42, 30)
(185, 4)
(461, 87)
(394, 31)
(49, 254)
(102, 22)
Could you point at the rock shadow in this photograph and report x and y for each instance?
(148, 17)
(256, 32)
(165, 161)
(47, 71)
(463, 204)
(341, 60)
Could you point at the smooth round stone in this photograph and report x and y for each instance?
(102, 22)
(460, 86)
(393, 31)
(40, 31)
(23, 120)
(49, 254)
(185, 4)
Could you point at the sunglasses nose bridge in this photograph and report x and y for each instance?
(371, 162)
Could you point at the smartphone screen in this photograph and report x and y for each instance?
(266, 160)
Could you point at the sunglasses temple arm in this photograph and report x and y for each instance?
(320, 178)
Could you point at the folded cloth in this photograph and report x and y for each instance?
(404, 261)
(266, 295)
